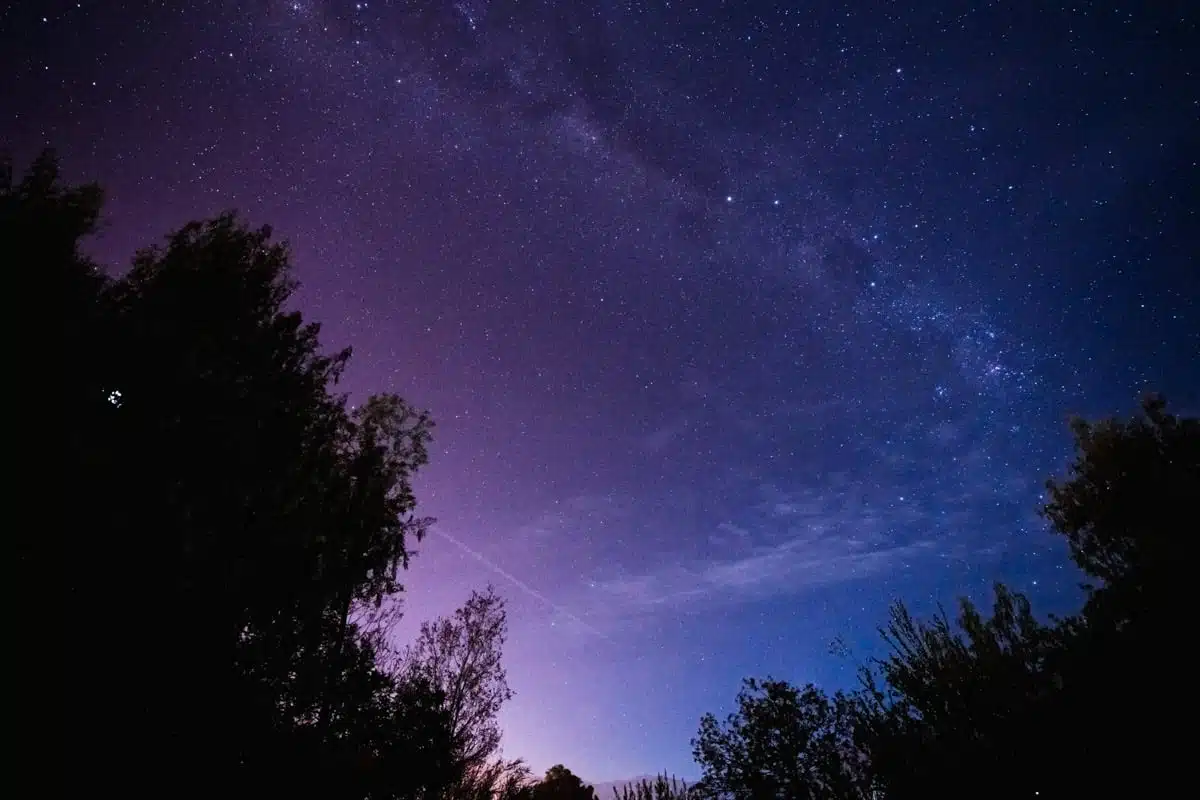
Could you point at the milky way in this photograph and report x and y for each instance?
(739, 320)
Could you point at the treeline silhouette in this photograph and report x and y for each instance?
(1004, 705)
(233, 533)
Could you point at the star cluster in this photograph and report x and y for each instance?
(738, 319)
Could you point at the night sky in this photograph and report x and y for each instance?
(739, 320)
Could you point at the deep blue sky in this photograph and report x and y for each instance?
(739, 319)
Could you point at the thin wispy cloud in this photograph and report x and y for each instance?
(788, 567)
(783, 539)
(800, 540)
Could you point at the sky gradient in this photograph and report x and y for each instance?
(738, 320)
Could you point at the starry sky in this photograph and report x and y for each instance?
(738, 319)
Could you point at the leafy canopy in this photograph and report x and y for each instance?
(227, 513)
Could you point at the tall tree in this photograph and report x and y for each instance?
(1127, 508)
(1124, 509)
(227, 511)
(782, 741)
(59, 291)
(42, 227)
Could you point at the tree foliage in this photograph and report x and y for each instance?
(661, 788)
(1124, 509)
(227, 513)
(1004, 704)
(1034, 705)
(782, 741)
(956, 700)
(41, 226)
(560, 783)
(462, 655)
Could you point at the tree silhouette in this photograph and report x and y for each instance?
(41, 226)
(661, 788)
(1004, 704)
(227, 512)
(782, 741)
(1126, 509)
(462, 655)
(1123, 508)
(271, 508)
(561, 784)
(1037, 706)
(953, 701)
